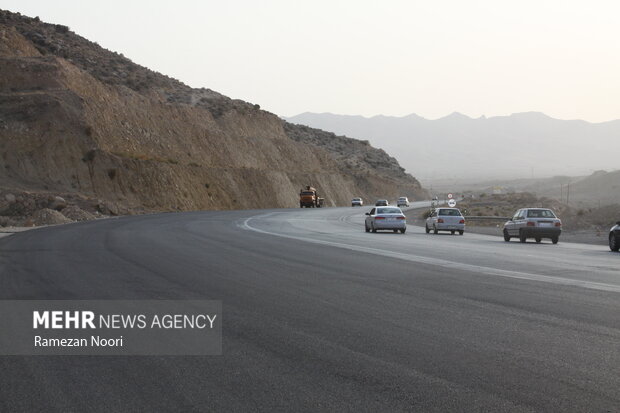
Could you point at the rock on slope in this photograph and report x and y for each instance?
(76, 118)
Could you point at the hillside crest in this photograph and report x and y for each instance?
(88, 123)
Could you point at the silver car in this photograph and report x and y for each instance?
(390, 218)
(357, 202)
(445, 219)
(537, 223)
(402, 201)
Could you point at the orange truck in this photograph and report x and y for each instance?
(309, 198)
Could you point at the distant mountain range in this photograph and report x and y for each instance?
(457, 147)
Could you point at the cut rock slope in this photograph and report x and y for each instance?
(78, 119)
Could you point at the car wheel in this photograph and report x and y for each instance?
(555, 239)
(366, 228)
(395, 231)
(402, 231)
(461, 232)
(522, 237)
(374, 230)
(435, 230)
(538, 240)
(614, 245)
(452, 232)
(506, 236)
(428, 230)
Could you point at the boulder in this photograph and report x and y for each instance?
(57, 203)
(20, 207)
(77, 214)
(107, 208)
(48, 216)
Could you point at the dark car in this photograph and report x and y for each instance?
(382, 202)
(614, 237)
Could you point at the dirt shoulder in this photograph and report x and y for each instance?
(584, 236)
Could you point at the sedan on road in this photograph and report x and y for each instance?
(357, 202)
(445, 219)
(382, 202)
(390, 218)
(614, 237)
(537, 223)
(402, 201)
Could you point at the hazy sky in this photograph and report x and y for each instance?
(367, 57)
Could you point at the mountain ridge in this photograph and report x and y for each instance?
(456, 146)
(88, 123)
(459, 114)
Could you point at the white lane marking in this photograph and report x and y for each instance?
(438, 262)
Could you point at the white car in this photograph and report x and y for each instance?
(537, 223)
(357, 202)
(445, 219)
(403, 201)
(390, 218)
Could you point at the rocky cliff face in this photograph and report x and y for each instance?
(76, 119)
(372, 169)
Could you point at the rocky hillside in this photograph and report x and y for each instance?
(88, 124)
(369, 167)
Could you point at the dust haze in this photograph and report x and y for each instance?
(523, 151)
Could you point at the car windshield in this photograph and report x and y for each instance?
(356, 199)
(540, 213)
(402, 199)
(449, 212)
(388, 211)
(307, 193)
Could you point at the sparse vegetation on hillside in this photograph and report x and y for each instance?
(352, 154)
(81, 120)
(113, 68)
(356, 157)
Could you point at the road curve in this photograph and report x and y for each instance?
(321, 316)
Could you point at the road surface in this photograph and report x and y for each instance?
(321, 316)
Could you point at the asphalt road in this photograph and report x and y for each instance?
(321, 316)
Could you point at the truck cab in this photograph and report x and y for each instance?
(308, 198)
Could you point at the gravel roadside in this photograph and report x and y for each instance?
(578, 236)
